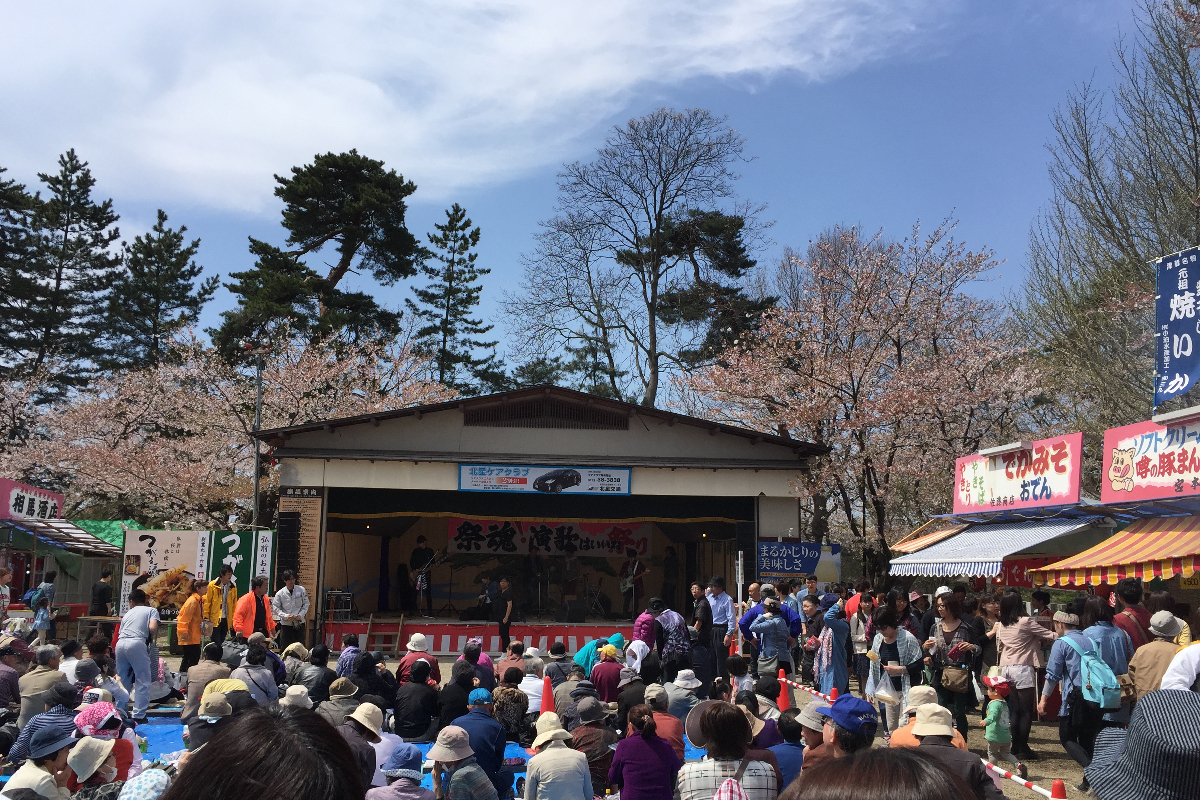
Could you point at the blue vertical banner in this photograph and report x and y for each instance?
(1177, 364)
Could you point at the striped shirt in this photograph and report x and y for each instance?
(700, 780)
(58, 717)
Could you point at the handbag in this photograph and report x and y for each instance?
(954, 679)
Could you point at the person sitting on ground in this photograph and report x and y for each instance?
(812, 727)
(487, 740)
(454, 695)
(45, 771)
(473, 654)
(682, 692)
(666, 725)
(934, 729)
(721, 690)
(570, 717)
(70, 658)
(297, 697)
(372, 677)
(316, 676)
(917, 697)
(593, 738)
(10, 679)
(100, 720)
(37, 681)
(589, 654)
(512, 658)
(633, 693)
(295, 657)
(532, 683)
(562, 692)
(350, 651)
(510, 704)
(557, 771)
(790, 752)
(259, 678)
(879, 774)
(739, 674)
(208, 670)
(766, 732)
(343, 699)
(725, 732)
(94, 767)
(418, 650)
(607, 674)
(465, 779)
(58, 704)
(361, 730)
(273, 662)
(1150, 662)
(417, 707)
(403, 771)
(559, 666)
(850, 725)
(767, 689)
(644, 764)
(212, 716)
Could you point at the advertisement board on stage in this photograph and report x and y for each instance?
(543, 479)
(22, 501)
(1045, 474)
(547, 537)
(1148, 461)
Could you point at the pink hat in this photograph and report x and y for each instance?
(914, 596)
(92, 719)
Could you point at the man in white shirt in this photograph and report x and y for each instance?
(532, 684)
(70, 658)
(1184, 672)
(289, 606)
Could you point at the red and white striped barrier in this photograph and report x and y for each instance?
(1057, 792)
(829, 698)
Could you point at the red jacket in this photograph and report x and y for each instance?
(243, 616)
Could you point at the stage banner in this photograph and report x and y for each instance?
(1177, 352)
(22, 501)
(163, 564)
(1047, 474)
(547, 538)
(1147, 461)
(544, 479)
(797, 559)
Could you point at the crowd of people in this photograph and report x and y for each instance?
(263, 712)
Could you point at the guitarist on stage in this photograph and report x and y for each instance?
(421, 558)
(631, 582)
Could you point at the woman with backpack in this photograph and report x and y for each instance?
(1020, 639)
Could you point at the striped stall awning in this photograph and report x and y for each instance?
(979, 552)
(1162, 547)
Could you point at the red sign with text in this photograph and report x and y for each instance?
(1046, 474)
(1148, 461)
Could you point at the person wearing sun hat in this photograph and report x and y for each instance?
(214, 714)
(917, 697)
(297, 697)
(403, 771)
(1157, 757)
(607, 674)
(100, 720)
(557, 772)
(935, 727)
(1150, 661)
(45, 771)
(465, 779)
(343, 699)
(682, 693)
(593, 737)
(361, 730)
(418, 650)
(95, 766)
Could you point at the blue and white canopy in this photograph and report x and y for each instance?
(979, 551)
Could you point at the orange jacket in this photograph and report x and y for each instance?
(243, 616)
(187, 628)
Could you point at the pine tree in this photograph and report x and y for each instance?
(446, 305)
(16, 247)
(154, 295)
(58, 295)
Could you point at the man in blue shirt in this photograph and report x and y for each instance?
(724, 622)
(790, 754)
(487, 740)
(810, 588)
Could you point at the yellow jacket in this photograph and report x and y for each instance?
(212, 602)
(187, 629)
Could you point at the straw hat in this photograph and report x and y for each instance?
(549, 729)
(933, 720)
(417, 643)
(297, 696)
(370, 717)
(453, 744)
(87, 756)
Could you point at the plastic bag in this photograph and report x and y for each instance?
(885, 693)
(870, 690)
(980, 694)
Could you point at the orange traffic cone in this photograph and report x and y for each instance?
(547, 695)
(784, 703)
(1058, 789)
(833, 695)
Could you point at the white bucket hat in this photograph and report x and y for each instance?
(686, 679)
(417, 643)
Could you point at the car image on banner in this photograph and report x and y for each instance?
(543, 479)
(557, 480)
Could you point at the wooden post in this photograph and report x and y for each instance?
(366, 645)
(399, 633)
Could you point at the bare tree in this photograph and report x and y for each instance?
(609, 259)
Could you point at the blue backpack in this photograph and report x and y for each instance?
(1098, 682)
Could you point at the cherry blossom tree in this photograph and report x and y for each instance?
(877, 352)
(174, 442)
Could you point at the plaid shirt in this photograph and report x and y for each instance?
(700, 780)
(57, 717)
(468, 781)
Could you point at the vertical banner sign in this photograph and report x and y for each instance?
(235, 548)
(1177, 360)
(1047, 474)
(300, 516)
(262, 555)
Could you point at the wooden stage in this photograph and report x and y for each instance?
(446, 637)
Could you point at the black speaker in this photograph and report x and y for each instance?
(571, 611)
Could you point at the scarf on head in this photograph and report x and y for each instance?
(637, 652)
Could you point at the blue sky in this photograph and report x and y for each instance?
(855, 111)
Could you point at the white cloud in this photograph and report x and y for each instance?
(204, 101)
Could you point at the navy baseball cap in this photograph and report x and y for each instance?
(853, 714)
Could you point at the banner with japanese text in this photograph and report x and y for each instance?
(1177, 351)
(22, 501)
(547, 538)
(799, 559)
(1047, 474)
(544, 479)
(1148, 461)
(163, 564)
